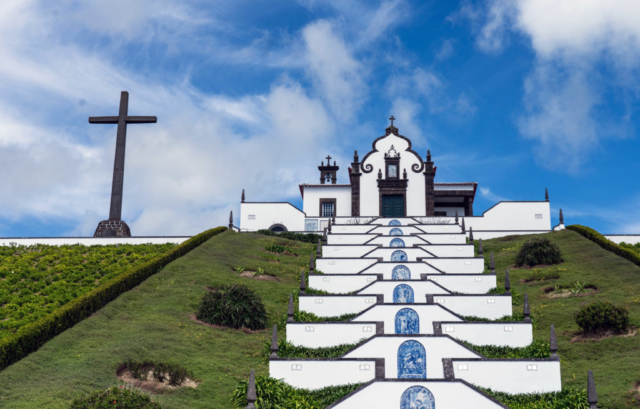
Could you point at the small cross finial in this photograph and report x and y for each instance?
(392, 119)
(328, 158)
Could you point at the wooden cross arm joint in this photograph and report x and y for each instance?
(128, 119)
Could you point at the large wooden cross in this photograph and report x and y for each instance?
(115, 212)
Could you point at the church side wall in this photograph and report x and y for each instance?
(312, 196)
(624, 238)
(256, 216)
(513, 216)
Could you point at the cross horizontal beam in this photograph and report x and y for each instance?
(128, 119)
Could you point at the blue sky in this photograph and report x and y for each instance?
(516, 95)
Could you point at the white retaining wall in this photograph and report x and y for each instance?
(352, 228)
(626, 238)
(267, 214)
(512, 377)
(386, 269)
(420, 288)
(436, 348)
(328, 334)
(494, 234)
(387, 314)
(347, 251)
(446, 395)
(337, 238)
(89, 241)
(413, 253)
(510, 334)
(344, 266)
(449, 250)
(333, 306)
(318, 374)
(384, 221)
(458, 265)
(512, 216)
(489, 306)
(444, 238)
(340, 284)
(452, 228)
(467, 284)
(406, 230)
(409, 241)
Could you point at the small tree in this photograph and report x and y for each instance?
(601, 318)
(233, 306)
(538, 251)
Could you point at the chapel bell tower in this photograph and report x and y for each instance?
(328, 173)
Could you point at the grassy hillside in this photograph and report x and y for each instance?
(152, 322)
(614, 360)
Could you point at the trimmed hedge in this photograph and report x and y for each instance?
(30, 337)
(303, 237)
(605, 243)
(602, 317)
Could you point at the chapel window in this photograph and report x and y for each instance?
(328, 209)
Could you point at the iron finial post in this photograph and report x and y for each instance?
(251, 391)
(303, 283)
(553, 343)
(290, 309)
(592, 396)
(274, 342)
(526, 310)
(507, 283)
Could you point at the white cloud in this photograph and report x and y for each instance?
(487, 194)
(446, 50)
(574, 42)
(338, 76)
(407, 112)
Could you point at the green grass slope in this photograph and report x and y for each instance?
(153, 322)
(614, 360)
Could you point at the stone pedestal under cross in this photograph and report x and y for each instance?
(115, 226)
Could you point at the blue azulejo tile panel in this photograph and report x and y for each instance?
(403, 293)
(401, 272)
(417, 397)
(399, 255)
(311, 225)
(412, 360)
(407, 322)
(396, 232)
(397, 243)
(394, 222)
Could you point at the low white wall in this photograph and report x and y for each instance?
(343, 266)
(467, 284)
(409, 241)
(413, 253)
(440, 228)
(387, 314)
(312, 196)
(89, 241)
(489, 306)
(404, 221)
(316, 374)
(352, 228)
(436, 348)
(347, 251)
(256, 216)
(337, 238)
(512, 377)
(340, 284)
(449, 250)
(386, 269)
(446, 395)
(332, 306)
(444, 238)
(458, 265)
(420, 288)
(510, 334)
(406, 230)
(513, 216)
(328, 334)
(626, 238)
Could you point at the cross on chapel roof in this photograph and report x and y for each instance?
(392, 119)
(328, 159)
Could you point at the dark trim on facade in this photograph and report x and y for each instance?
(278, 225)
(335, 206)
(368, 168)
(392, 187)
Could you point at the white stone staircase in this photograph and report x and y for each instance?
(409, 321)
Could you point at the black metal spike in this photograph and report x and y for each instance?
(553, 343)
(480, 248)
(329, 228)
(311, 264)
(546, 194)
(242, 196)
(471, 234)
(319, 249)
(526, 311)
(290, 309)
(231, 220)
(251, 391)
(507, 283)
(464, 229)
(324, 235)
(561, 217)
(592, 396)
(456, 216)
(274, 342)
(492, 264)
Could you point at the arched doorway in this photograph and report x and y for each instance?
(278, 228)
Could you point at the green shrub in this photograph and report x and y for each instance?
(605, 243)
(538, 251)
(233, 306)
(276, 394)
(602, 317)
(304, 237)
(565, 399)
(633, 247)
(288, 350)
(116, 397)
(30, 337)
(175, 374)
(537, 349)
(275, 248)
